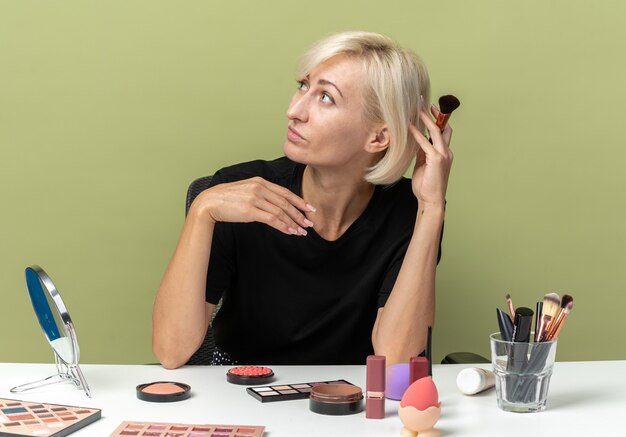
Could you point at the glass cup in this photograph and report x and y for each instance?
(523, 372)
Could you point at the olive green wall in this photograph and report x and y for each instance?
(109, 109)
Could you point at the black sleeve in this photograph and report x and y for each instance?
(388, 282)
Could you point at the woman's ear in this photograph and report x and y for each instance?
(379, 140)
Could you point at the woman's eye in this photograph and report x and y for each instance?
(326, 98)
(302, 86)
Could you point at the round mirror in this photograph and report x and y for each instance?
(52, 314)
(57, 325)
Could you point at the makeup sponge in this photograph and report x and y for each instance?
(421, 394)
(420, 408)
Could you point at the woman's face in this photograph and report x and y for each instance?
(326, 124)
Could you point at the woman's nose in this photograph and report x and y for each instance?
(298, 108)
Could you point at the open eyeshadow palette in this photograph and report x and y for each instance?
(287, 392)
(182, 430)
(20, 418)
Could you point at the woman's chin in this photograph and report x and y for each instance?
(293, 152)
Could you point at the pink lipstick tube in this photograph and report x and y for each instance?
(375, 387)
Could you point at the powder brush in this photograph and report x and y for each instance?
(447, 104)
(549, 311)
(567, 303)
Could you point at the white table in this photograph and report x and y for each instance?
(585, 399)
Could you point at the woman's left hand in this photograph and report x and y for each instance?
(433, 163)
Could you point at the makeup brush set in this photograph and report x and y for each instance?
(526, 360)
(549, 319)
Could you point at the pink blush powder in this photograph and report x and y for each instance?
(163, 388)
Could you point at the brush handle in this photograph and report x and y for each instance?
(518, 354)
(506, 325)
(442, 120)
(523, 323)
(558, 328)
(555, 326)
(429, 350)
(536, 363)
(538, 311)
(542, 330)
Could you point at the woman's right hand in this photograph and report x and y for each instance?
(254, 200)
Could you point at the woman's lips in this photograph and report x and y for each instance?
(293, 135)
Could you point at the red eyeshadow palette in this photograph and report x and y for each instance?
(20, 418)
(181, 430)
(288, 392)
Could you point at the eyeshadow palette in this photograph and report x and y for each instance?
(287, 392)
(20, 418)
(182, 430)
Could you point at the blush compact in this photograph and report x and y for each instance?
(250, 375)
(163, 391)
(336, 399)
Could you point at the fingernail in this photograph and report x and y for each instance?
(302, 231)
(311, 208)
(433, 106)
(308, 222)
(292, 231)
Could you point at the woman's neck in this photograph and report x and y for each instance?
(340, 198)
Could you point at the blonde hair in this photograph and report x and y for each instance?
(396, 78)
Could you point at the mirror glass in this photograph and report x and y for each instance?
(49, 312)
(58, 328)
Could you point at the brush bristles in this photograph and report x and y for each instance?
(448, 103)
(566, 300)
(554, 331)
(509, 304)
(551, 304)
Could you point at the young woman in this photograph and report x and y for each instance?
(327, 254)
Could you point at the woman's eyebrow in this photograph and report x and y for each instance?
(327, 82)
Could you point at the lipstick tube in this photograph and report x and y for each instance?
(418, 368)
(375, 387)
